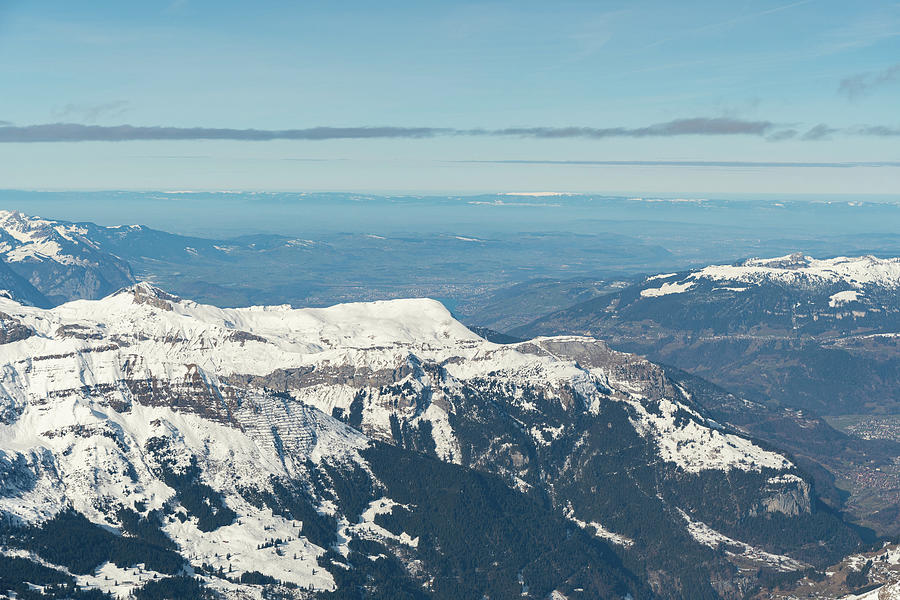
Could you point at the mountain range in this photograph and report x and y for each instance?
(365, 439)
(385, 450)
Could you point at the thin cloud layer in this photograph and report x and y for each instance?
(689, 163)
(819, 132)
(878, 131)
(695, 126)
(94, 112)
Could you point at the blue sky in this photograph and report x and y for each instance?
(474, 96)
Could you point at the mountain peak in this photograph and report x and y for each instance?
(795, 260)
(147, 293)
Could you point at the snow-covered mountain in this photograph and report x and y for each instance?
(745, 326)
(62, 260)
(280, 444)
(794, 292)
(795, 270)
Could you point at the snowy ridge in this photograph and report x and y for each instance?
(25, 238)
(144, 334)
(792, 270)
(63, 261)
(857, 271)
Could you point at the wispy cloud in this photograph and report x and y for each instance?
(877, 130)
(93, 112)
(727, 22)
(782, 135)
(689, 163)
(819, 132)
(863, 83)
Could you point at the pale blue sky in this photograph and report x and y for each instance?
(807, 81)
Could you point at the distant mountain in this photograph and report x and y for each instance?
(793, 337)
(69, 261)
(381, 445)
(64, 261)
(805, 333)
(321, 269)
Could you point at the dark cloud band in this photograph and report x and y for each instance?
(700, 126)
(74, 132)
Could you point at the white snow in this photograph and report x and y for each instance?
(37, 249)
(666, 289)
(708, 536)
(695, 447)
(799, 269)
(366, 528)
(193, 340)
(794, 270)
(116, 581)
(889, 591)
(784, 478)
(233, 548)
(599, 530)
(842, 298)
(540, 434)
(36, 239)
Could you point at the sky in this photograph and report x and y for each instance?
(742, 97)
